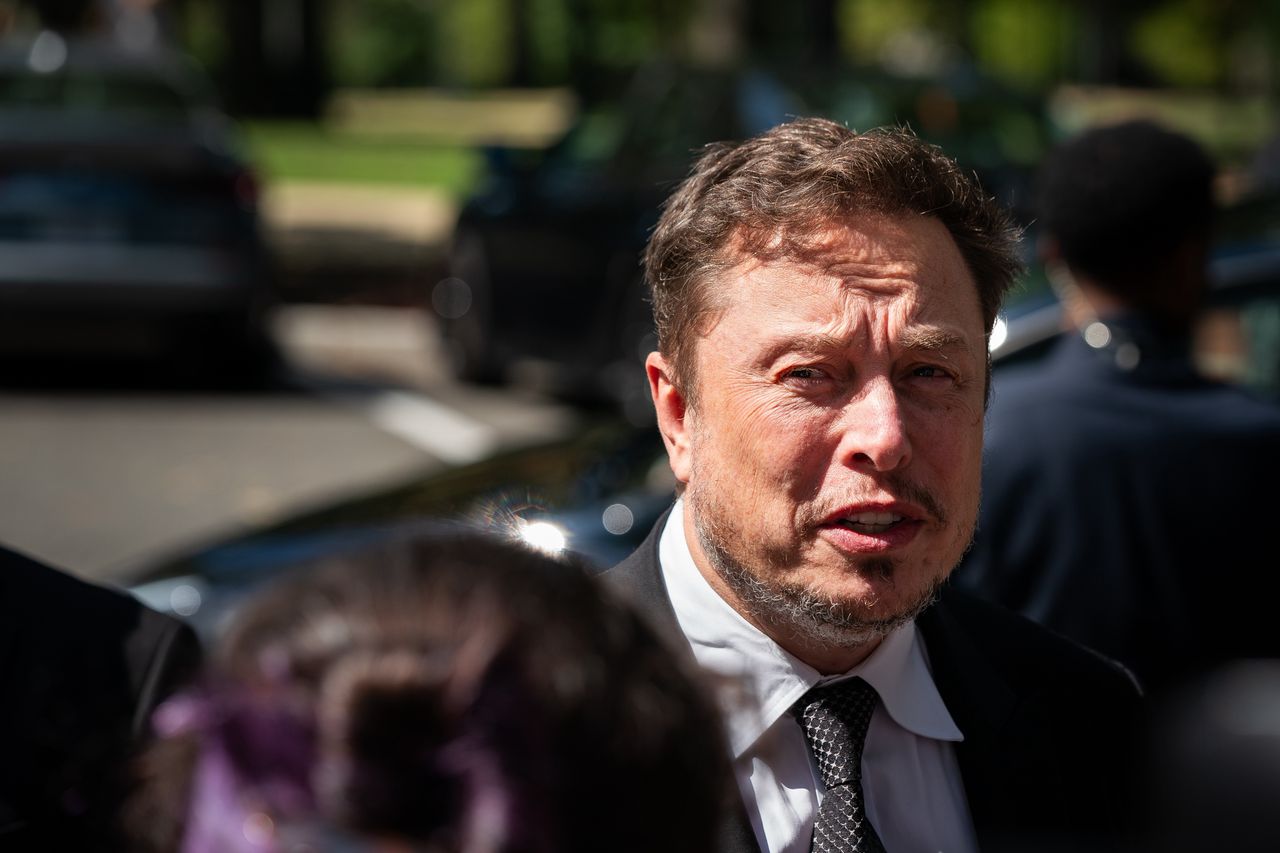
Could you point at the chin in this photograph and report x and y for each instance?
(850, 623)
(848, 616)
(878, 587)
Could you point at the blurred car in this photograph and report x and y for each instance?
(544, 267)
(128, 216)
(598, 493)
(545, 259)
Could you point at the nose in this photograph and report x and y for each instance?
(873, 431)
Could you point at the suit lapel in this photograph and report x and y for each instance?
(985, 707)
(639, 579)
(981, 703)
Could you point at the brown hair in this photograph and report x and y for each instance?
(768, 196)
(454, 689)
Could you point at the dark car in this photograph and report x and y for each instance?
(128, 215)
(545, 261)
(599, 492)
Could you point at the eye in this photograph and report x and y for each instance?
(805, 375)
(931, 371)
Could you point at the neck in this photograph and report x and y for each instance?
(1172, 304)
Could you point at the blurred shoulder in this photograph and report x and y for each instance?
(60, 621)
(47, 597)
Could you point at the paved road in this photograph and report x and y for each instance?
(102, 482)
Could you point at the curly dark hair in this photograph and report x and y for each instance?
(769, 196)
(455, 691)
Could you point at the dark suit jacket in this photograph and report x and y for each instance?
(1122, 507)
(1047, 759)
(82, 668)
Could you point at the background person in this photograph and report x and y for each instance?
(1122, 490)
(823, 300)
(452, 692)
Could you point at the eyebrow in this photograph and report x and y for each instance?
(925, 338)
(930, 338)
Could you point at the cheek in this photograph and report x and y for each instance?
(781, 436)
(953, 447)
(770, 445)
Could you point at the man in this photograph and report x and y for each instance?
(823, 301)
(82, 669)
(1122, 489)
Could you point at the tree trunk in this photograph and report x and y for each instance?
(277, 63)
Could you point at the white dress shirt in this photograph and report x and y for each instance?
(914, 794)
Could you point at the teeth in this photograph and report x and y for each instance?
(871, 522)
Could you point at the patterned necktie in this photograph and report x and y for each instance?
(835, 720)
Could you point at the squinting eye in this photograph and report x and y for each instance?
(929, 372)
(804, 373)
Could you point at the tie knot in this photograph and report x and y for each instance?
(835, 719)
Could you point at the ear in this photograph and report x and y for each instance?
(669, 403)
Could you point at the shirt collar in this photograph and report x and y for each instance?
(761, 680)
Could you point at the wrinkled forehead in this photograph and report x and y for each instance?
(913, 250)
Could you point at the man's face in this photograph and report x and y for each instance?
(832, 457)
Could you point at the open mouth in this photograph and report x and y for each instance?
(870, 522)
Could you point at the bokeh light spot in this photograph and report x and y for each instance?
(451, 298)
(185, 600)
(618, 519)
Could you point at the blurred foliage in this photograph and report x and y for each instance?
(203, 34)
(476, 43)
(1026, 43)
(873, 31)
(485, 43)
(550, 28)
(1035, 47)
(1183, 43)
(383, 43)
(1030, 44)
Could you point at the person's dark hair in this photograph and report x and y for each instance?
(457, 692)
(771, 195)
(1119, 199)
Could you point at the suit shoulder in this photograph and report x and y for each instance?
(639, 576)
(1030, 654)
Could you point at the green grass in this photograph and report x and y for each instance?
(297, 151)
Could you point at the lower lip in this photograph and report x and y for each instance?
(898, 536)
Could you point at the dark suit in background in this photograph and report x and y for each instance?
(82, 668)
(1125, 498)
(1048, 726)
(1127, 508)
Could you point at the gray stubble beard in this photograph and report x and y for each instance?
(794, 608)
